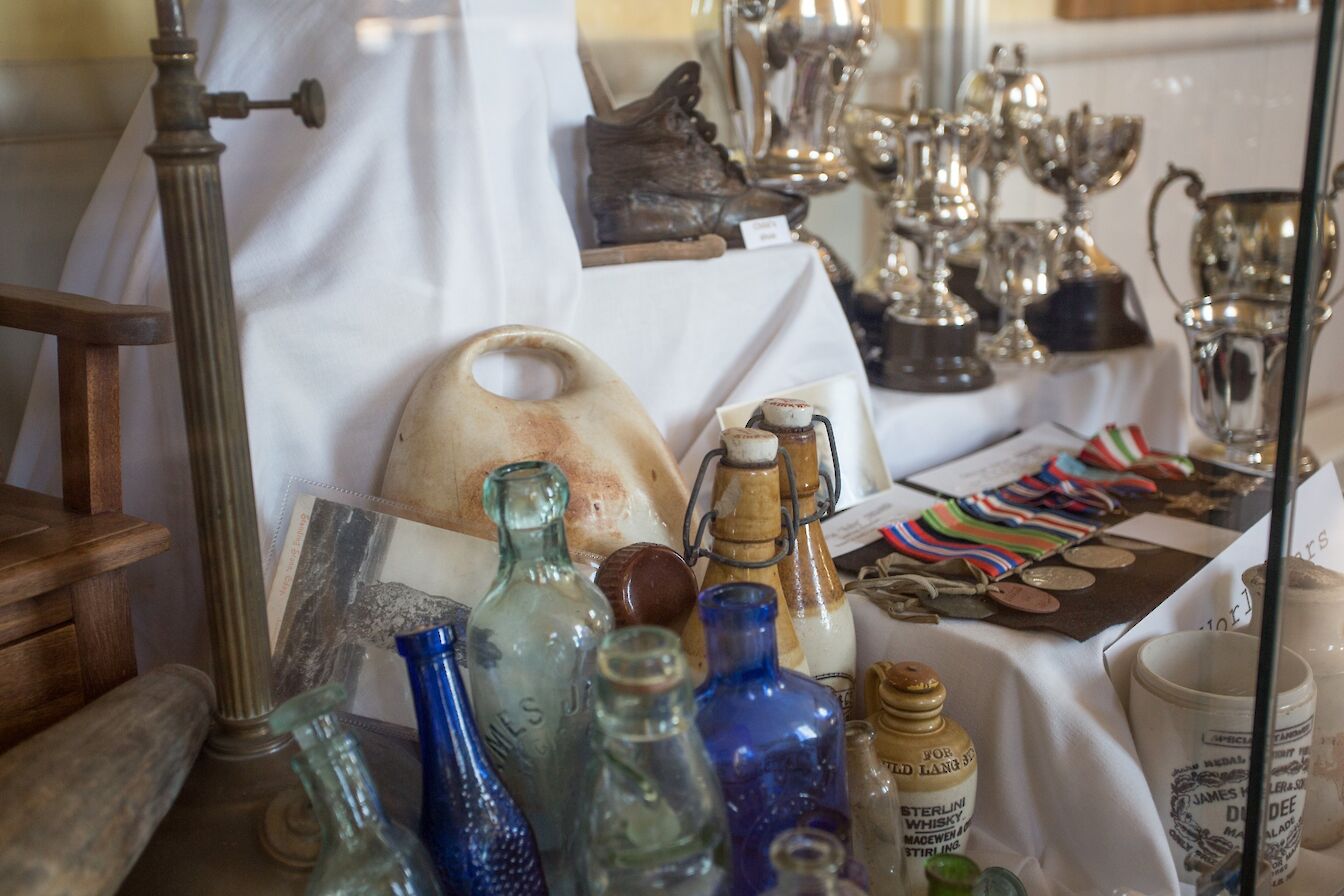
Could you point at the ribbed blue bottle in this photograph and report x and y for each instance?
(776, 738)
(477, 836)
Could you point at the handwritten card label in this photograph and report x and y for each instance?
(762, 233)
(853, 528)
(1001, 463)
(1215, 598)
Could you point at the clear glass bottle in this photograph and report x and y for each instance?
(477, 836)
(531, 653)
(807, 863)
(876, 830)
(656, 820)
(776, 737)
(363, 852)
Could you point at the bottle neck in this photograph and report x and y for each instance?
(742, 651)
(540, 553)
(341, 792)
(806, 884)
(448, 735)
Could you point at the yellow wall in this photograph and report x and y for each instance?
(75, 29)
(644, 19)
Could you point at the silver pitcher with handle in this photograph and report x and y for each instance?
(1246, 240)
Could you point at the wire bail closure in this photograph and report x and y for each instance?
(694, 550)
(825, 506)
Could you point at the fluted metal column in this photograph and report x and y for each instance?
(186, 158)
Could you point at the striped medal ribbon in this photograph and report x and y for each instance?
(990, 508)
(950, 520)
(1065, 468)
(1125, 448)
(914, 540)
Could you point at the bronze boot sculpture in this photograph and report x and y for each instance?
(657, 173)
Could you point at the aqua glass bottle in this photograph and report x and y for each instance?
(807, 862)
(531, 653)
(477, 836)
(877, 833)
(776, 738)
(656, 821)
(363, 853)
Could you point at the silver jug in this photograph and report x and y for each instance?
(1238, 344)
(1246, 240)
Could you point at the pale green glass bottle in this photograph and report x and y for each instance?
(807, 863)
(363, 852)
(656, 821)
(531, 653)
(876, 829)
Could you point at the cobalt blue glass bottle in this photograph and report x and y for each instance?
(776, 738)
(477, 836)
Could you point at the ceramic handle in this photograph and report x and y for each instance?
(872, 680)
(568, 355)
(1195, 190)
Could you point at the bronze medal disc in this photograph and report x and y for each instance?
(1022, 597)
(1058, 578)
(1128, 544)
(1096, 556)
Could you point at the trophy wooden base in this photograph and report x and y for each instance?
(920, 357)
(1090, 315)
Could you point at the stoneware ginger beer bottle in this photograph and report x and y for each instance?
(815, 597)
(747, 529)
(931, 757)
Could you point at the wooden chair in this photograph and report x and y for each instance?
(65, 616)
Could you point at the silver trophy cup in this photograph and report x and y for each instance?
(1238, 344)
(1017, 270)
(929, 335)
(876, 148)
(1076, 157)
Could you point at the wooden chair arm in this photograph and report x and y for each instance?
(82, 319)
(79, 801)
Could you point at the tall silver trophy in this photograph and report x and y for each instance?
(1018, 270)
(1077, 157)
(929, 336)
(786, 69)
(1235, 318)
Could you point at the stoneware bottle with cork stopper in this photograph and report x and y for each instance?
(813, 592)
(931, 756)
(750, 536)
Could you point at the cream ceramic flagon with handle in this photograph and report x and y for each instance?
(624, 484)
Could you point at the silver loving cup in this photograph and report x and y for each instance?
(1076, 157)
(1018, 269)
(877, 151)
(1238, 344)
(1246, 241)
(1013, 99)
(934, 206)
(787, 68)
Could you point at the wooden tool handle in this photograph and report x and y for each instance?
(711, 245)
(79, 801)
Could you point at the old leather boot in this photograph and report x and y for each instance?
(658, 175)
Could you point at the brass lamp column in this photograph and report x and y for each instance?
(241, 823)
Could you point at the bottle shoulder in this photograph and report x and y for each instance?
(761, 705)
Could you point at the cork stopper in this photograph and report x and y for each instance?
(786, 413)
(912, 677)
(750, 447)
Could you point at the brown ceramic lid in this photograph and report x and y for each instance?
(916, 678)
(647, 584)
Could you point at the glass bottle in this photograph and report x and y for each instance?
(656, 821)
(363, 852)
(477, 836)
(876, 830)
(531, 651)
(949, 874)
(776, 738)
(929, 754)
(746, 528)
(807, 863)
(816, 599)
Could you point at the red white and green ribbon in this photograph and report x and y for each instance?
(1125, 448)
(914, 540)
